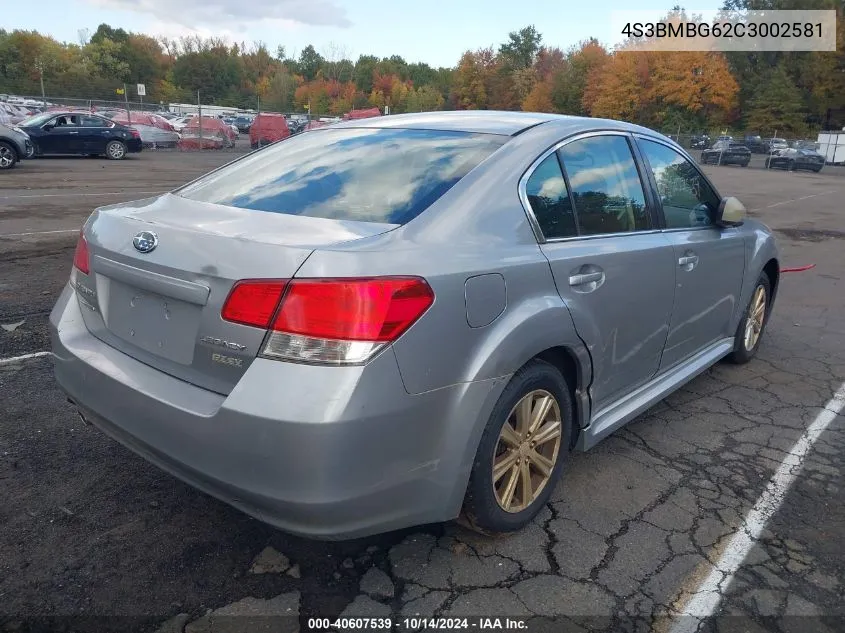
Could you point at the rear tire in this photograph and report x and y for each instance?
(750, 330)
(8, 155)
(115, 150)
(538, 386)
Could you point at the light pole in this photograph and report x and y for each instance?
(40, 66)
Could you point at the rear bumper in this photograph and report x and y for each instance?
(350, 455)
(134, 145)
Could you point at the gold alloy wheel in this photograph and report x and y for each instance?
(527, 451)
(756, 317)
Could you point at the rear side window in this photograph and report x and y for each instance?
(549, 199)
(370, 175)
(606, 185)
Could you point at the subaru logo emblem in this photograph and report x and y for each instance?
(145, 241)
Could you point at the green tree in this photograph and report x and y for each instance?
(363, 74)
(106, 32)
(310, 62)
(522, 47)
(777, 105)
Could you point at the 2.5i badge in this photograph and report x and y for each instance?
(231, 361)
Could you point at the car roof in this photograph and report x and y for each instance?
(488, 121)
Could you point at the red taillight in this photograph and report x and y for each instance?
(134, 133)
(329, 321)
(253, 302)
(376, 309)
(80, 256)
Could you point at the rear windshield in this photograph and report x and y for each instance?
(370, 175)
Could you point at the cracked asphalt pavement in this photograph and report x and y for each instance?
(91, 530)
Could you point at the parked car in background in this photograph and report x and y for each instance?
(297, 124)
(700, 141)
(755, 144)
(206, 133)
(795, 159)
(15, 145)
(268, 128)
(243, 122)
(81, 133)
(11, 114)
(320, 334)
(313, 125)
(727, 153)
(179, 122)
(367, 113)
(775, 145)
(155, 130)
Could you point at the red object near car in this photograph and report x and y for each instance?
(268, 128)
(215, 134)
(142, 118)
(313, 125)
(361, 114)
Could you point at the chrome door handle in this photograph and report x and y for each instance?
(686, 260)
(585, 278)
(71, 132)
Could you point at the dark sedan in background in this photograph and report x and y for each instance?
(81, 133)
(727, 153)
(796, 158)
(14, 146)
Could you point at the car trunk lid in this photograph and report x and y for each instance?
(163, 306)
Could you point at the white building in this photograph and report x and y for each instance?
(832, 147)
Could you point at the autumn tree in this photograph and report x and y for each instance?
(471, 77)
(617, 89)
(570, 81)
(540, 98)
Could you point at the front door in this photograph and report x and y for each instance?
(64, 136)
(612, 266)
(710, 260)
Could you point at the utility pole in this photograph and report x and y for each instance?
(41, 77)
(199, 113)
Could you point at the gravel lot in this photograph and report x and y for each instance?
(89, 529)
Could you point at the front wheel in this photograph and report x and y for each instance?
(8, 156)
(750, 330)
(115, 150)
(522, 451)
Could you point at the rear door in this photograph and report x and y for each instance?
(612, 265)
(709, 260)
(95, 133)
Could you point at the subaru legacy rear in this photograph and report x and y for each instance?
(239, 332)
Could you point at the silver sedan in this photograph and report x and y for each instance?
(405, 319)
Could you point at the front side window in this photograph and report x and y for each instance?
(549, 200)
(688, 200)
(606, 186)
(388, 175)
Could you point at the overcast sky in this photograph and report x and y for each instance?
(432, 31)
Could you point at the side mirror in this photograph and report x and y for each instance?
(48, 127)
(731, 212)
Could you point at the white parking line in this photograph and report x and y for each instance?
(38, 233)
(706, 598)
(83, 195)
(17, 359)
(815, 195)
